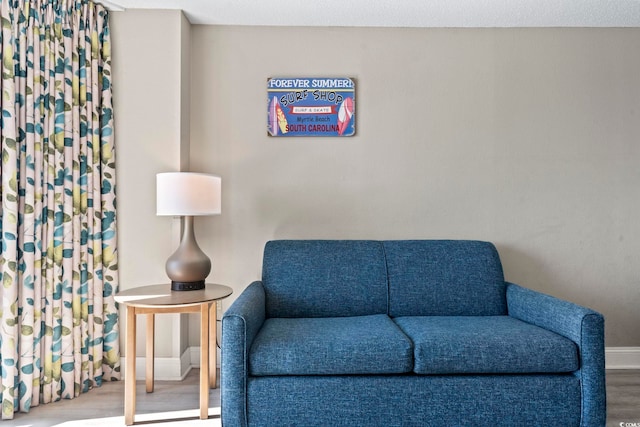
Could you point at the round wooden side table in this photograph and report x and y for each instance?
(155, 299)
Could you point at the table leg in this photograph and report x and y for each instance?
(213, 347)
(130, 376)
(150, 356)
(204, 361)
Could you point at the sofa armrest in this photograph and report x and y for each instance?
(583, 326)
(240, 325)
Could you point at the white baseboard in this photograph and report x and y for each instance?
(169, 368)
(165, 368)
(622, 357)
(195, 356)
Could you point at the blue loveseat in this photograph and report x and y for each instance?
(405, 333)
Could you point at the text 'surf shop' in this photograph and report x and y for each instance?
(311, 107)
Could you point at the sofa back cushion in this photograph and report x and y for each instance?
(324, 278)
(444, 278)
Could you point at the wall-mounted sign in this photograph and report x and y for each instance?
(311, 107)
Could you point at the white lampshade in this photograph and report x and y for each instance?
(188, 194)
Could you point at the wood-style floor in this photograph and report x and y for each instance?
(623, 398)
(178, 402)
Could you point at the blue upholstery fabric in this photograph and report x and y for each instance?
(444, 278)
(349, 286)
(331, 346)
(583, 326)
(486, 345)
(240, 325)
(414, 401)
(324, 278)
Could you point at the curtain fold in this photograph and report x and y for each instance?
(58, 260)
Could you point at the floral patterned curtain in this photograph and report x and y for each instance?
(58, 260)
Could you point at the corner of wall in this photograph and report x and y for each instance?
(185, 92)
(151, 97)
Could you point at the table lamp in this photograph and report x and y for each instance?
(188, 194)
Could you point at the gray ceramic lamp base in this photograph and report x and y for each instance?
(188, 267)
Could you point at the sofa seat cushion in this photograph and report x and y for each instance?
(330, 346)
(486, 345)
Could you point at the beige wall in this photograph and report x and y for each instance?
(529, 138)
(151, 97)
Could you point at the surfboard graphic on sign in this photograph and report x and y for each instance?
(311, 106)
